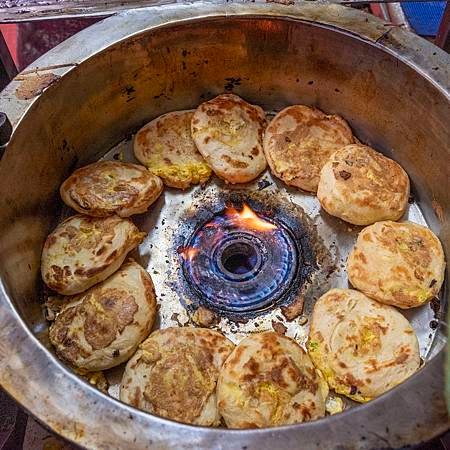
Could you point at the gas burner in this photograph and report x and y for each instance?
(241, 261)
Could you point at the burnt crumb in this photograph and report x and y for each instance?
(345, 175)
(116, 353)
(175, 318)
(263, 184)
(432, 283)
(302, 320)
(434, 324)
(292, 311)
(231, 83)
(435, 305)
(129, 90)
(184, 52)
(287, 139)
(411, 199)
(279, 327)
(205, 317)
(336, 90)
(52, 306)
(116, 156)
(238, 319)
(310, 82)
(353, 390)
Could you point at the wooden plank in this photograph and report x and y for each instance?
(8, 69)
(443, 36)
(14, 11)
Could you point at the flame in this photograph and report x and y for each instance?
(188, 253)
(247, 218)
(213, 232)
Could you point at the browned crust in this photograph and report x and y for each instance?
(410, 260)
(166, 147)
(94, 236)
(263, 370)
(362, 186)
(181, 367)
(108, 187)
(296, 155)
(212, 118)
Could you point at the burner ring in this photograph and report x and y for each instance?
(236, 269)
(239, 258)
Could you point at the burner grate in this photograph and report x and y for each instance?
(233, 267)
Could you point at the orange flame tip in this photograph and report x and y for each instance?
(247, 218)
(189, 253)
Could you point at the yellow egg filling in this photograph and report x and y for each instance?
(193, 173)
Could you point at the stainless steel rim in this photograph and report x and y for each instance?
(412, 412)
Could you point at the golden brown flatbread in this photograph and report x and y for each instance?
(269, 380)
(174, 374)
(228, 132)
(363, 348)
(102, 327)
(83, 251)
(298, 142)
(361, 186)
(166, 147)
(111, 187)
(400, 264)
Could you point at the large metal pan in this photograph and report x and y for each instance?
(90, 92)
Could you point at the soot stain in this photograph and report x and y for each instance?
(231, 83)
(315, 262)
